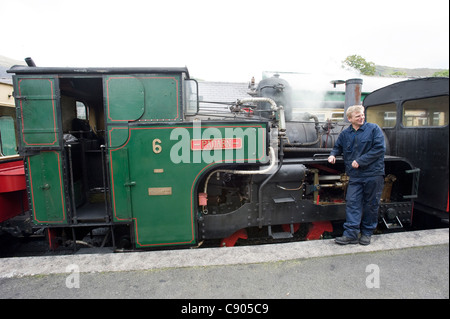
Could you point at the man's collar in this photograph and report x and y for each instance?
(360, 128)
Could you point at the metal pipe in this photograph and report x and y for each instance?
(307, 149)
(273, 105)
(72, 188)
(30, 62)
(352, 94)
(244, 172)
(263, 184)
(103, 155)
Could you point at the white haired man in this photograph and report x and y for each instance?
(362, 147)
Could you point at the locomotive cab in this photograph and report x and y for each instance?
(82, 159)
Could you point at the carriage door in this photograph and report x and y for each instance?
(38, 118)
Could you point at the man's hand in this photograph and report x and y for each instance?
(331, 159)
(355, 164)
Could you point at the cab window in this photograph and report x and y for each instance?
(385, 115)
(426, 112)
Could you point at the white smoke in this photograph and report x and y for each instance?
(311, 87)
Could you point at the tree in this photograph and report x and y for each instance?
(443, 73)
(399, 73)
(359, 63)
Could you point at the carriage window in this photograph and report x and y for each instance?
(337, 116)
(384, 115)
(426, 112)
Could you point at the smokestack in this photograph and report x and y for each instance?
(30, 62)
(352, 94)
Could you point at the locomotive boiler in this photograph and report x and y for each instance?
(128, 151)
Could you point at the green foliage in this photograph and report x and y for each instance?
(443, 73)
(399, 73)
(359, 63)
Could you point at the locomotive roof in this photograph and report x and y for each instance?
(20, 69)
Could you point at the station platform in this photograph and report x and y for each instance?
(398, 265)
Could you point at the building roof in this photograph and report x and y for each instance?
(222, 91)
(6, 80)
(225, 93)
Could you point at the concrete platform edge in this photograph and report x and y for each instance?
(152, 260)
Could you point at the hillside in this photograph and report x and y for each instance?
(6, 63)
(381, 70)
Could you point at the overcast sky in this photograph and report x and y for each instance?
(227, 40)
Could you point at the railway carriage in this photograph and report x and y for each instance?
(414, 115)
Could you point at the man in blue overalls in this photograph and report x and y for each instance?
(362, 146)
